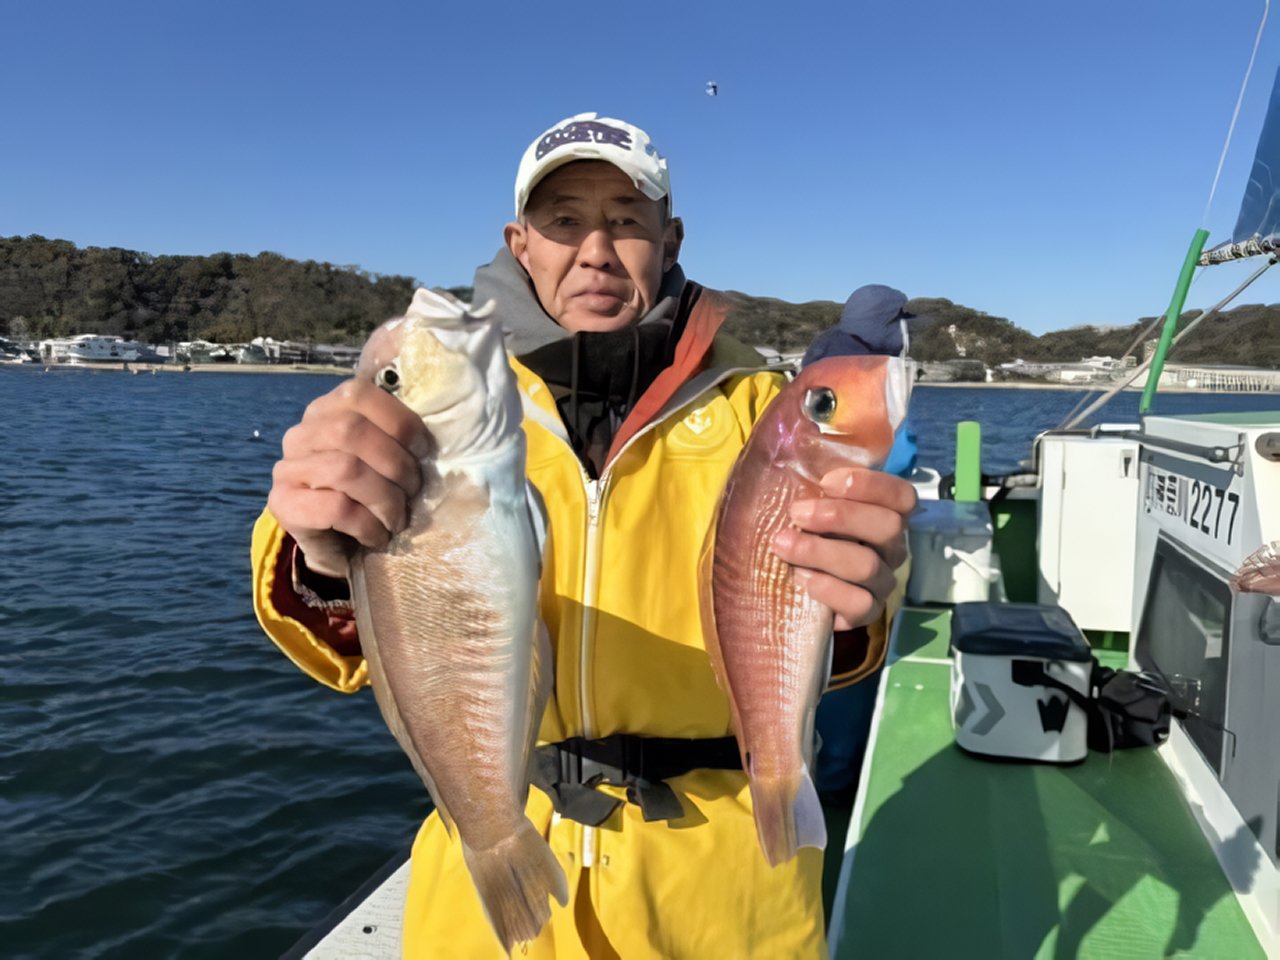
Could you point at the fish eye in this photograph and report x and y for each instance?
(388, 378)
(820, 404)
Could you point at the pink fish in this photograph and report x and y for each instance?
(1260, 572)
(769, 641)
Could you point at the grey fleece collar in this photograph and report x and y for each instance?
(527, 325)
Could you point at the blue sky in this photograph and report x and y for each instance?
(1043, 161)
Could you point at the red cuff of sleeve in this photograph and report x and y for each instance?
(850, 656)
(852, 648)
(332, 621)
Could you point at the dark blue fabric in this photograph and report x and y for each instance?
(869, 323)
(1260, 209)
(843, 723)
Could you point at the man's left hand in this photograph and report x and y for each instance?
(850, 541)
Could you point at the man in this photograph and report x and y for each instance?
(635, 411)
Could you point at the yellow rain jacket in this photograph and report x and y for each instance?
(619, 598)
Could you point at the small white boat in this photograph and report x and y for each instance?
(96, 348)
(12, 352)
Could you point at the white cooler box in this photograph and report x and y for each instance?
(950, 552)
(1001, 704)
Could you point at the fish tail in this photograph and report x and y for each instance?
(788, 816)
(514, 879)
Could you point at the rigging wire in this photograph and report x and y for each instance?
(1075, 417)
(1212, 311)
(1257, 40)
(1137, 341)
(1090, 394)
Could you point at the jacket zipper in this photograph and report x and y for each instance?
(595, 491)
(590, 591)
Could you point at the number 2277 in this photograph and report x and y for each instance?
(1205, 510)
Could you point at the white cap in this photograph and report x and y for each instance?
(588, 137)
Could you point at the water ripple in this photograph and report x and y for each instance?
(171, 786)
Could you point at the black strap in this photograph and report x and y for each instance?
(1124, 709)
(569, 771)
(1032, 673)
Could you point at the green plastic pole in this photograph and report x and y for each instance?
(1171, 318)
(968, 461)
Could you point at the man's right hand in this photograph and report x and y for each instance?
(347, 474)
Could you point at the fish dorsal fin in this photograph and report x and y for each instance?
(540, 683)
(387, 704)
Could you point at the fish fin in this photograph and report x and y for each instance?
(386, 699)
(710, 631)
(897, 390)
(809, 738)
(706, 603)
(540, 684)
(541, 680)
(811, 825)
(538, 521)
(514, 878)
(788, 816)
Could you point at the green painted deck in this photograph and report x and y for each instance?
(958, 857)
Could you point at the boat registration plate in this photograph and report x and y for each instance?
(1204, 507)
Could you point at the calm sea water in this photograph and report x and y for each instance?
(170, 786)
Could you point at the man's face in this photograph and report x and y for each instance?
(594, 246)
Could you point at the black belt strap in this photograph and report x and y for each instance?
(569, 771)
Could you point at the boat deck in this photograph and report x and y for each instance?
(366, 925)
(949, 855)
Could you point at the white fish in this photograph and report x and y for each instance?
(447, 611)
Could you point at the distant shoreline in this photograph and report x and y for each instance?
(1035, 385)
(153, 368)
(169, 368)
(1087, 388)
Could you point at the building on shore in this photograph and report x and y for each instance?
(1103, 371)
(1087, 370)
(1215, 378)
(266, 350)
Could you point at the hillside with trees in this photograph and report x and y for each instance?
(52, 288)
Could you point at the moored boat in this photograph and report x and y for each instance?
(96, 348)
